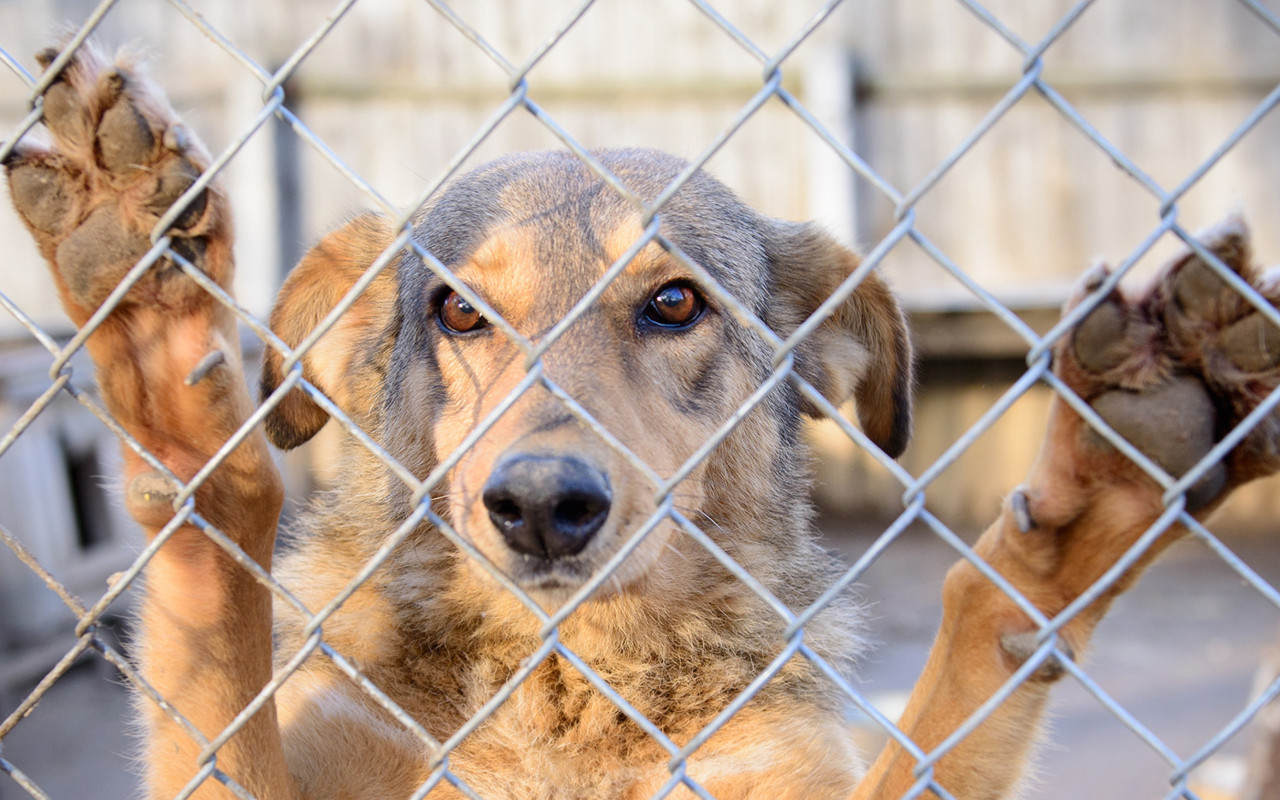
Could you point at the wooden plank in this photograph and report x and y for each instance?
(970, 334)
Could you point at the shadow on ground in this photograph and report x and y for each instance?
(1179, 653)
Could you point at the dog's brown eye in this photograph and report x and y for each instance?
(459, 316)
(676, 305)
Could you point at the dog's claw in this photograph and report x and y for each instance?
(1095, 277)
(1022, 510)
(46, 57)
(1022, 646)
(176, 139)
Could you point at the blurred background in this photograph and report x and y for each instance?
(395, 92)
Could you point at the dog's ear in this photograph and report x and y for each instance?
(862, 349)
(344, 362)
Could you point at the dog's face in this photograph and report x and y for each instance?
(543, 495)
(557, 462)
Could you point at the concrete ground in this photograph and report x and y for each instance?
(1179, 653)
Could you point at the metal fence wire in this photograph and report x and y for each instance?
(915, 508)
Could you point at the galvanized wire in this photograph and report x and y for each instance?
(520, 73)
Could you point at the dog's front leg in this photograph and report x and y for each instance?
(983, 640)
(1173, 371)
(168, 364)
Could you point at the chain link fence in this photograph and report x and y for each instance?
(520, 72)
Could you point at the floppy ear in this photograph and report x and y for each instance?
(344, 363)
(862, 350)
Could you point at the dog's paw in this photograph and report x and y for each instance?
(1173, 369)
(115, 160)
(1177, 367)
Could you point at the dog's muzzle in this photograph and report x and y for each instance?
(547, 506)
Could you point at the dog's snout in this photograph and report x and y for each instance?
(547, 506)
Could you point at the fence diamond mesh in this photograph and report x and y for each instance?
(521, 74)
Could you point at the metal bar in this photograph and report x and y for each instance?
(1059, 28)
(34, 696)
(16, 67)
(519, 74)
(291, 64)
(420, 515)
(992, 117)
(1231, 141)
(29, 416)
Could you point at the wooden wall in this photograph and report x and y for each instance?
(395, 91)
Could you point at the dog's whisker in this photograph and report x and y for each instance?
(671, 546)
(704, 517)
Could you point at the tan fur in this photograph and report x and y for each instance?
(670, 629)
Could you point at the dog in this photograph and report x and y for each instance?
(534, 597)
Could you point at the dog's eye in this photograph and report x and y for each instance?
(459, 316)
(675, 305)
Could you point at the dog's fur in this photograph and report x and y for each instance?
(670, 628)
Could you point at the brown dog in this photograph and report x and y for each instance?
(548, 447)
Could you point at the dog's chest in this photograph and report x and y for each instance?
(557, 735)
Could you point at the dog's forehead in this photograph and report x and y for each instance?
(565, 215)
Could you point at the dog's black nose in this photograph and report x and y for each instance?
(547, 506)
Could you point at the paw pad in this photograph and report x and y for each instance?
(1200, 293)
(1175, 368)
(174, 180)
(42, 195)
(63, 111)
(125, 140)
(97, 253)
(1100, 341)
(1173, 424)
(1252, 344)
(118, 162)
